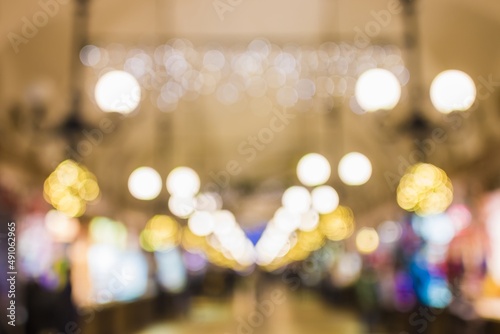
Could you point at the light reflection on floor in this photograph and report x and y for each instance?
(300, 313)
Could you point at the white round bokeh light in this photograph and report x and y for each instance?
(452, 90)
(309, 221)
(389, 232)
(325, 199)
(181, 207)
(285, 221)
(201, 223)
(144, 183)
(183, 182)
(296, 199)
(225, 222)
(117, 91)
(377, 89)
(313, 169)
(355, 169)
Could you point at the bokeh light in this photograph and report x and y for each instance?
(107, 231)
(225, 222)
(296, 199)
(61, 227)
(90, 55)
(324, 199)
(492, 216)
(183, 182)
(347, 269)
(208, 201)
(452, 90)
(181, 207)
(309, 220)
(36, 254)
(285, 76)
(145, 183)
(70, 187)
(436, 293)
(377, 89)
(273, 244)
(389, 232)
(201, 223)
(309, 241)
(460, 216)
(117, 91)
(172, 273)
(338, 225)
(313, 169)
(286, 221)
(192, 242)
(355, 169)
(435, 229)
(367, 240)
(425, 189)
(161, 233)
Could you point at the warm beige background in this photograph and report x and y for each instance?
(457, 34)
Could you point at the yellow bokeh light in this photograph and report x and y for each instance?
(220, 259)
(145, 238)
(161, 233)
(88, 190)
(339, 224)
(70, 205)
(192, 242)
(67, 173)
(69, 187)
(367, 240)
(425, 189)
(297, 254)
(310, 241)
